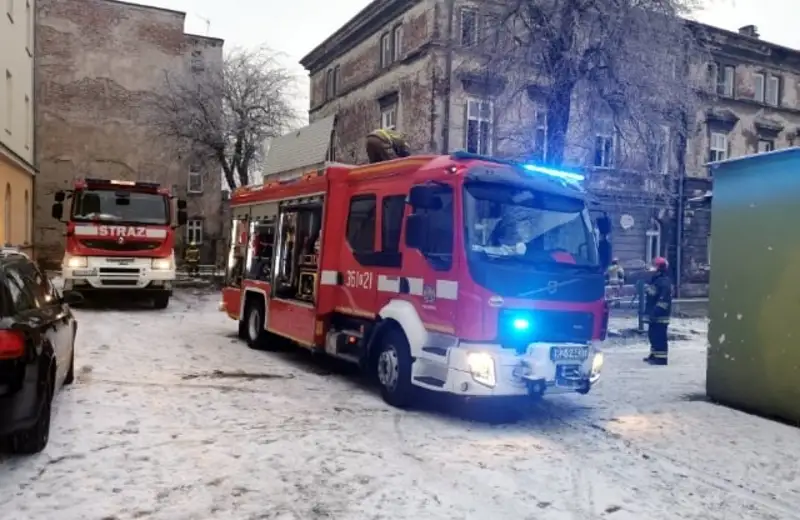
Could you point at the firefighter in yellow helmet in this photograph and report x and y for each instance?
(192, 259)
(385, 144)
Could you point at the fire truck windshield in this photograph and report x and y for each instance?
(127, 208)
(517, 224)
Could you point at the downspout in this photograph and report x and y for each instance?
(448, 80)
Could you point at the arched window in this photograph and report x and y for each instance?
(653, 236)
(26, 236)
(7, 216)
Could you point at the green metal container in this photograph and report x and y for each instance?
(754, 335)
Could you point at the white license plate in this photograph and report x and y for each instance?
(569, 353)
(84, 272)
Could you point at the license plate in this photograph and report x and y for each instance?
(569, 353)
(84, 272)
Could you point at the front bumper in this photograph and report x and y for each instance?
(488, 370)
(113, 274)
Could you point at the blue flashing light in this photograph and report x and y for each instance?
(567, 176)
(521, 324)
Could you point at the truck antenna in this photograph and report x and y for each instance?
(208, 24)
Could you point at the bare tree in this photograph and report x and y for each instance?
(631, 61)
(227, 115)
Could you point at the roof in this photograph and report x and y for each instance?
(301, 148)
(755, 157)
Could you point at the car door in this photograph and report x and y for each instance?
(37, 314)
(48, 299)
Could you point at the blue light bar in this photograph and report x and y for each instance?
(567, 176)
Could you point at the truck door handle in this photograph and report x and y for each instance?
(405, 287)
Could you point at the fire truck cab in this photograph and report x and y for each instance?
(461, 274)
(120, 238)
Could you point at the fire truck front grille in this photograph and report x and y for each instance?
(119, 270)
(113, 245)
(118, 282)
(544, 326)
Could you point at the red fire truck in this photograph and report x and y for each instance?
(462, 274)
(120, 238)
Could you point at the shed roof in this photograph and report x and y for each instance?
(301, 148)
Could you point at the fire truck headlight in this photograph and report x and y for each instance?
(76, 262)
(597, 363)
(481, 366)
(162, 264)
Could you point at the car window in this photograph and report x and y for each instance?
(39, 284)
(21, 294)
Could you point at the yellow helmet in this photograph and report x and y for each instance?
(192, 244)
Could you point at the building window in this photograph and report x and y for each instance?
(773, 91)
(540, 135)
(722, 79)
(10, 10)
(361, 224)
(604, 141)
(195, 184)
(765, 145)
(198, 65)
(336, 80)
(194, 231)
(386, 50)
(478, 130)
(389, 117)
(718, 147)
(27, 232)
(28, 116)
(7, 212)
(469, 27)
(397, 43)
(653, 241)
(9, 101)
(758, 87)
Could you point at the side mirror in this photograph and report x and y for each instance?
(604, 225)
(424, 197)
(57, 211)
(60, 196)
(417, 232)
(182, 217)
(181, 204)
(73, 298)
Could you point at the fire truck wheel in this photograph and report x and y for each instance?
(393, 369)
(255, 334)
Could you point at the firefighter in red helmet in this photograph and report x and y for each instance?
(658, 308)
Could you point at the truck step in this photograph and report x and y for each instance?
(430, 381)
(437, 351)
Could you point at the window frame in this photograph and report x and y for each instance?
(475, 38)
(448, 264)
(480, 102)
(359, 197)
(712, 149)
(397, 43)
(195, 225)
(760, 82)
(776, 80)
(770, 145)
(389, 112)
(194, 172)
(385, 49)
(386, 201)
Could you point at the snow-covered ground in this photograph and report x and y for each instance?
(151, 431)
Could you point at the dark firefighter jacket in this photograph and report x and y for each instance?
(192, 254)
(658, 299)
(393, 139)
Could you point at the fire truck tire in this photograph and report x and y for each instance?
(161, 301)
(255, 334)
(393, 368)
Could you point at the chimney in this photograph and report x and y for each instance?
(749, 30)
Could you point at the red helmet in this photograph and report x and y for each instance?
(660, 262)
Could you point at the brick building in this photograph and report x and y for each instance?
(397, 64)
(99, 63)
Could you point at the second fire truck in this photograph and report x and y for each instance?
(460, 274)
(120, 238)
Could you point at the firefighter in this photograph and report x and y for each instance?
(192, 258)
(658, 307)
(615, 275)
(385, 144)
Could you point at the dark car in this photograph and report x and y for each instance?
(37, 352)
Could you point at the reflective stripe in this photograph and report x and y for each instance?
(329, 278)
(658, 354)
(86, 231)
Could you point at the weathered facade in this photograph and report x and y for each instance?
(414, 65)
(100, 64)
(17, 100)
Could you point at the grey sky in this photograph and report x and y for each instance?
(294, 27)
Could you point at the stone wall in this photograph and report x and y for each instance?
(99, 64)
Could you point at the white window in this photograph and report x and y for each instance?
(389, 117)
(9, 101)
(604, 142)
(765, 145)
(195, 184)
(386, 50)
(653, 241)
(194, 231)
(718, 147)
(540, 135)
(397, 43)
(725, 87)
(469, 27)
(773, 90)
(198, 64)
(28, 126)
(10, 10)
(478, 130)
(758, 87)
